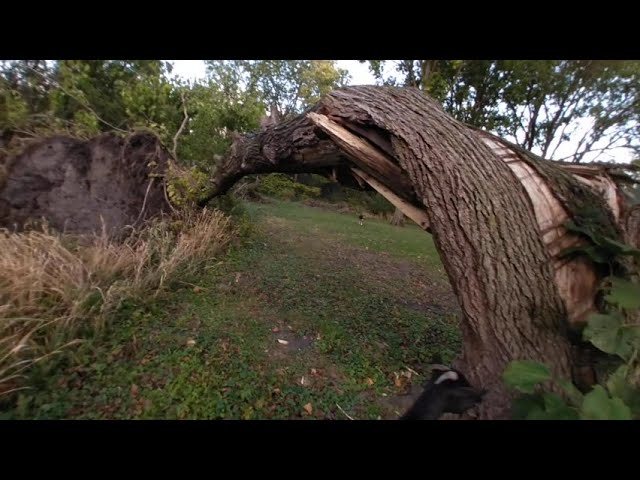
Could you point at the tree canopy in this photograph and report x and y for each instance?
(593, 106)
(574, 110)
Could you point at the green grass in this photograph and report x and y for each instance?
(357, 305)
(378, 235)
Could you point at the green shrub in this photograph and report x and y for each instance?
(281, 186)
(614, 331)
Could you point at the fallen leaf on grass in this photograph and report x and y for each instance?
(308, 408)
(283, 342)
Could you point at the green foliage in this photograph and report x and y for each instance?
(185, 186)
(290, 85)
(282, 186)
(598, 405)
(85, 97)
(13, 108)
(600, 249)
(525, 375)
(539, 104)
(366, 201)
(608, 333)
(624, 294)
(216, 110)
(611, 333)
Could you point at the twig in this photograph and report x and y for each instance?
(182, 125)
(345, 413)
(144, 202)
(166, 197)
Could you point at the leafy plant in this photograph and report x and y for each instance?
(185, 186)
(281, 186)
(610, 332)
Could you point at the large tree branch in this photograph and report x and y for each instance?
(289, 147)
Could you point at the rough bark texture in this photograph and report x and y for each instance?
(398, 218)
(632, 227)
(479, 212)
(291, 147)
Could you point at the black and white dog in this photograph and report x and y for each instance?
(448, 391)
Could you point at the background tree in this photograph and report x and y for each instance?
(290, 85)
(587, 107)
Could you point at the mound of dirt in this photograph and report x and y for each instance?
(76, 185)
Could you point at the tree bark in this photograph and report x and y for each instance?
(480, 211)
(398, 218)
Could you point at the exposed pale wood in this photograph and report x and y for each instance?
(373, 136)
(414, 213)
(365, 155)
(576, 280)
(607, 187)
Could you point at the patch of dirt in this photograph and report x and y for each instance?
(293, 342)
(75, 184)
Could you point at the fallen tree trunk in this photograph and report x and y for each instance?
(496, 214)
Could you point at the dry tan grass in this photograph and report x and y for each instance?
(52, 285)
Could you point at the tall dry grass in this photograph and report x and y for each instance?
(54, 287)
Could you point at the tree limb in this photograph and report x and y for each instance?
(182, 125)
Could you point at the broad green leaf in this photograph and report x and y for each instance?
(557, 409)
(575, 395)
(572, 227)
(524, 375)
(608, 334)
(616, 383)
(624, 294)
(619, 248)
(598, 406)
(632, 399)
(619, 386)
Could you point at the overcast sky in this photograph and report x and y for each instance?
(194, 69)
(360, 75)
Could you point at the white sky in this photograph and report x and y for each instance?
(360, 75)
(194, 70)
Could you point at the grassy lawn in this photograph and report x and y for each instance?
(314, 316)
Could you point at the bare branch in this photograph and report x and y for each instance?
(182, 125)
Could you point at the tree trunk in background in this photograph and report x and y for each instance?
(398, 218)
(480, 215)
